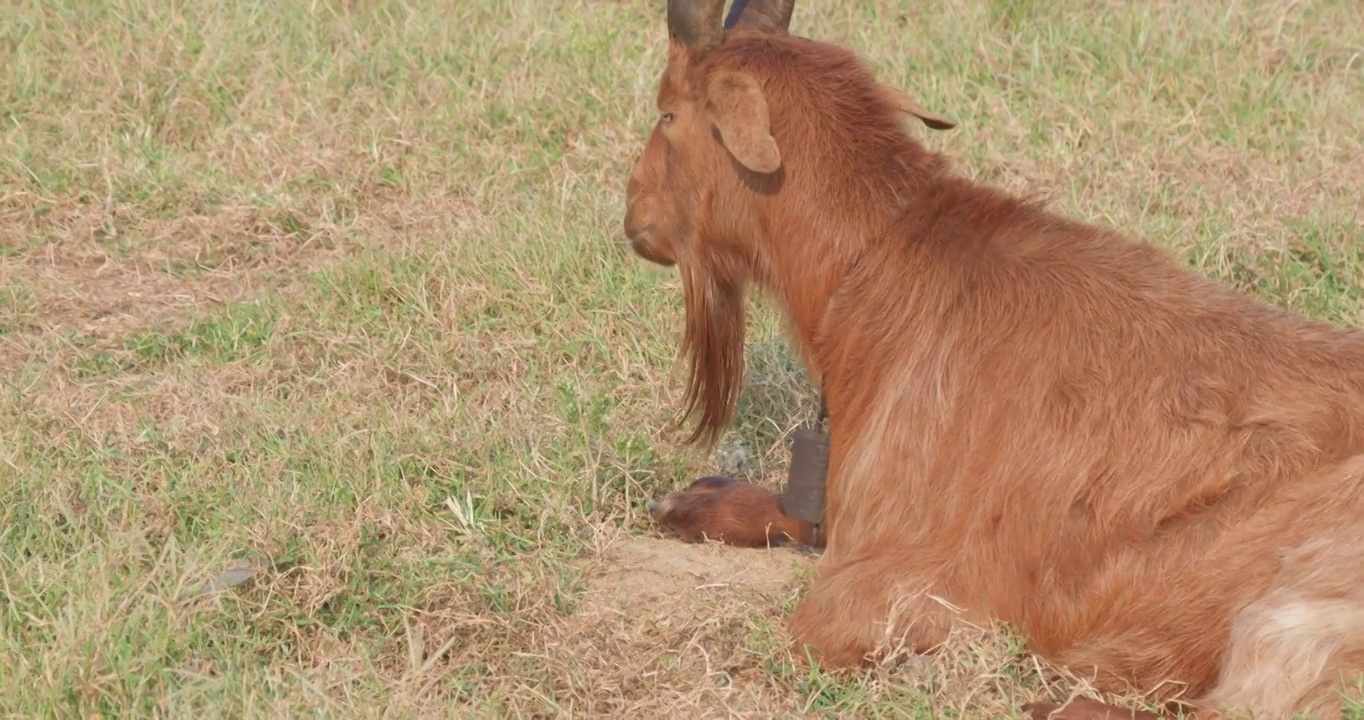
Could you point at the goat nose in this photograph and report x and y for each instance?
(659, 506)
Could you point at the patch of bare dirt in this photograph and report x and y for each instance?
(88, 291)
(669, 629)
(643, 576)
(101, 275)
(239, 239)
(187, 412)
(85, 292)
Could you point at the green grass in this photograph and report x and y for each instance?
(337, 289)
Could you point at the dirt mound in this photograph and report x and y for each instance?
(670, 629)
(652, 576)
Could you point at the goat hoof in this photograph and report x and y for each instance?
(665, 502)
(715, 508)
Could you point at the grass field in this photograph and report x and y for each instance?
(330, 298)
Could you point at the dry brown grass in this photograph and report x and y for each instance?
(336, 288)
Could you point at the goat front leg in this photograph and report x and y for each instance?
(732, 512)
(857, 609)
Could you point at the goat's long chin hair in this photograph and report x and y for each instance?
(714, 345)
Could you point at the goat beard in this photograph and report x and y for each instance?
(714, 345)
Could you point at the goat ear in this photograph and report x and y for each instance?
(904, 103)
(739, 109)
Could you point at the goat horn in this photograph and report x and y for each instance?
(696, 23)
(761, 13)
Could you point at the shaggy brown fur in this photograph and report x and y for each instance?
(1043, 422)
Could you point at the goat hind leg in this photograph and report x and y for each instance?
(1288, 655)
(1086, 709)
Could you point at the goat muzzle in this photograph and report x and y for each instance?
(643, 243)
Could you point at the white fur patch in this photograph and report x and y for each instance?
(1282, 647)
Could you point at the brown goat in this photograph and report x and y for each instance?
(1155, 479)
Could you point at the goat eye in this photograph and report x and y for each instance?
(666, 118)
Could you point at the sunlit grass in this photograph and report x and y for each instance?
(336, 290)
